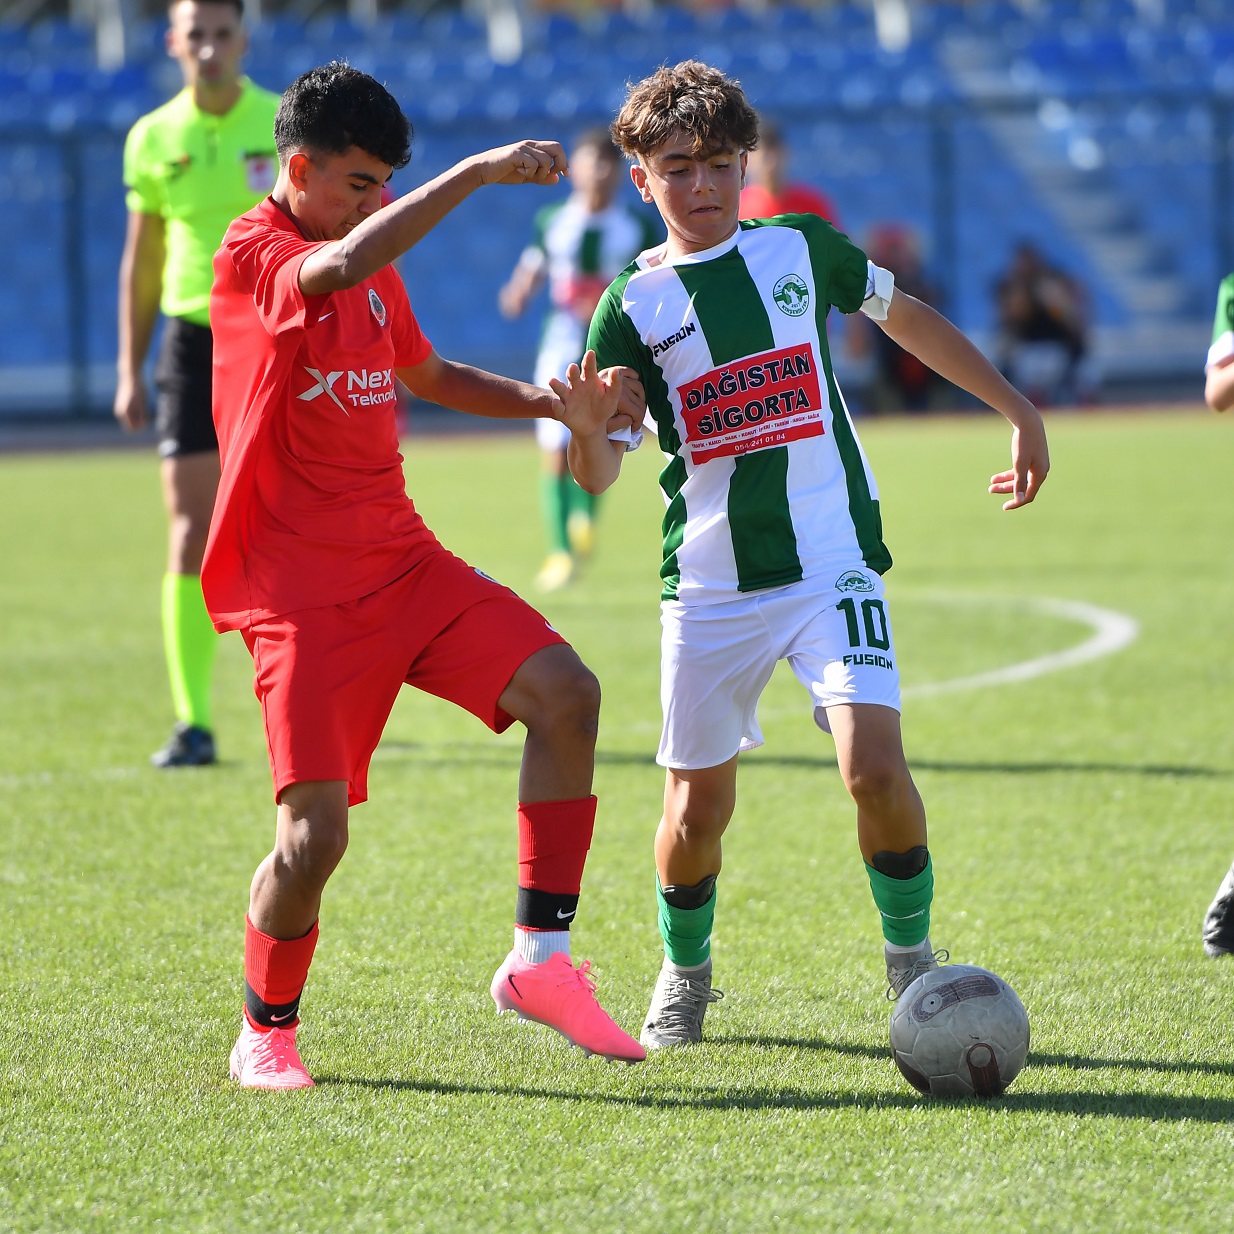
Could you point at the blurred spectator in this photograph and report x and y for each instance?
(899, 381)
(768, 191)
(1043, 330)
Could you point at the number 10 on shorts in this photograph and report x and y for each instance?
(873, 619)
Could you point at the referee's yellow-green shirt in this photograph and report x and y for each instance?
(199, 172)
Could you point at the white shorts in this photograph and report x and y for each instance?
(716, 660)
(563, 343)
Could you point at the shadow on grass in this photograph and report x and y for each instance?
(1070, 1062)
(477, 753)
(1155, 1106)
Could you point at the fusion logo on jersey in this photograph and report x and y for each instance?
(364, 388)
(764, 400)
(673, 339)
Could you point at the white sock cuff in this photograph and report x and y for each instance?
(536, 946)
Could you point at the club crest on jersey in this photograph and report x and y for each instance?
(791, 295)
(379, 309)
(854, 580)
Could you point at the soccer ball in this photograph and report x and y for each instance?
(959, 1031)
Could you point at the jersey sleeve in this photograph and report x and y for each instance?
(144, 195)
(410, 345)
(267, 265)
(841, 269)
(1223, 326)
(612, 335)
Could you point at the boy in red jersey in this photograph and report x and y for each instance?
(342, 594)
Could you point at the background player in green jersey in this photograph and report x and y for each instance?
(773, 540)
(1218, 931)
(190, 167)
(579, 245)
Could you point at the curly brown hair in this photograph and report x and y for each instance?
(692, 98)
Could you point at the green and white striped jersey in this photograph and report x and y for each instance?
(1223, 326)
(581, 251)
(766, 482)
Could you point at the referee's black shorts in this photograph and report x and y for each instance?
(182, 378)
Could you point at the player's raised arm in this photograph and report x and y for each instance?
(371, 237)
(936, 342)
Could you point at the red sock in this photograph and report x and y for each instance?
(275, 970)
(553, 839)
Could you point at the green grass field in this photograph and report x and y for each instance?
(1080, 822)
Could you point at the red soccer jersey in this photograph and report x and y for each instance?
(312, 508)
(758, 202)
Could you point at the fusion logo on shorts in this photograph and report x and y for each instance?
(869, 659)
(365, 387)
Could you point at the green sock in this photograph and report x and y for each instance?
(553, 510)
(579, 500)
(190, 642)
(904, 904)
(686, 931)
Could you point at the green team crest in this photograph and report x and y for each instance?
(791, 295)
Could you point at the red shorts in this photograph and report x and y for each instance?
(327, 677)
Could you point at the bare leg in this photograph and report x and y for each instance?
(310, 840)
(190, 482)
(890, 813)
(697, 808)
(557, 698)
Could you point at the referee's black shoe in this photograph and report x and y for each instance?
(1219, 920)
(188, 746)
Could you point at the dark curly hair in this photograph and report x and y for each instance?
(335, 107)
(692, 98)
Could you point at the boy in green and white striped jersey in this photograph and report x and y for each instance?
(773, 542)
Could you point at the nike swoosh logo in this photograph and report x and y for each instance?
(325, 315)
(566, 916)
(515, 988)
(278, 1019)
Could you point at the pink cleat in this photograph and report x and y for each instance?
(563, 997)
(268, 1059)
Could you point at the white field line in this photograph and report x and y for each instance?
(1112, 632)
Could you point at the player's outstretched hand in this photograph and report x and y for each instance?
(524, 162)
(1030, 463)
(588, 397)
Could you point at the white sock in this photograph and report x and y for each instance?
(705, 966)
(898, 949)
(536, 946)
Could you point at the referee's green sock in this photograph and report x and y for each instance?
(190, 641)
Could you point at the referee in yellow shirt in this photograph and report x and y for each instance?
(190, 167)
